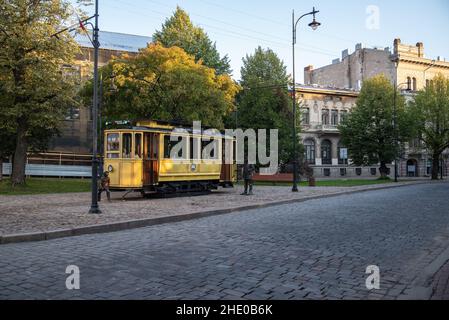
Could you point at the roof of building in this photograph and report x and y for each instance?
(115, 41)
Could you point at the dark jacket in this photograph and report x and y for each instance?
(248, 171)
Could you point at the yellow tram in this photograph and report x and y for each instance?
(137, 158)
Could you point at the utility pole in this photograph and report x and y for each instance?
(94, 208)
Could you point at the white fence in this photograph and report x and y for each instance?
(50, 170)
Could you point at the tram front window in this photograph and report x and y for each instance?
(126, 145)
(138, 146)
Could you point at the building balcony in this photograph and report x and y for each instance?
(320, 127)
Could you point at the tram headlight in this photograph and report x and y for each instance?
(110, 168)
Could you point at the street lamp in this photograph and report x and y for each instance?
(314, 25)
(94, 208)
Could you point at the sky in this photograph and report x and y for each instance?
(238, 26)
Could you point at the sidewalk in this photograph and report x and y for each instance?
(66, 214)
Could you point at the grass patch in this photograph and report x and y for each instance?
(329, 183)
(45, 185)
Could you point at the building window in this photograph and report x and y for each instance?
(334, 117)
(73, 114)
(358, 171)
(373, 171)
(342, 154)
(414, 85)
(309, 151)
(409, 83)
(343, 115)
(325, 117)
(327, 172)
(305, 116)
(342, 171)
(326, 148)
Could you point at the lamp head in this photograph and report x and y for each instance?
(314, 24)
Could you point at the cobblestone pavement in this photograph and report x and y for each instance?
(40, 213)
(311, 250)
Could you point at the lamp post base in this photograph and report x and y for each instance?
(94, 210)
(295, 188)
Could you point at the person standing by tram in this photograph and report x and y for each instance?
(248, 173)
(104, 186)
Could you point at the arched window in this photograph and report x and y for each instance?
(414, 85)
(326, 152)
(309, 151)
(409, 83)
(342, 154)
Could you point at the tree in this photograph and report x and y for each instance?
(33, 86)
(264, 102)
(179, 31)
(165, 84)
(431, 107)
(369, 132)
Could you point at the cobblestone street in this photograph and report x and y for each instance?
(318, 249)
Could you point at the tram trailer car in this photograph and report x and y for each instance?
(137, 158)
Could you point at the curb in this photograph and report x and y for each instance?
(422, 286)
(146, 222)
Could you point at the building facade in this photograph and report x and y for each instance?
(76, 130)
(406, 67)
(322, 109)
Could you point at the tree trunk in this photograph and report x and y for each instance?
(435, 165)
(1, 168)
(383, 169)
(19, 159)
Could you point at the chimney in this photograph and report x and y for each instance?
(308, 74)
(420, 47)
(335, 61)
(344, 54)
(308, 68)
(358, 46)
(396, 44)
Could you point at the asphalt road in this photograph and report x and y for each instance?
(317, 249)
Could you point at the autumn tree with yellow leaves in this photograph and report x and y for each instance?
(165, 84)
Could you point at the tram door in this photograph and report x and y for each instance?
(226, 160)
(150, 163)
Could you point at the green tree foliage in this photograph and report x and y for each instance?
(368, 131)
(264, 102)
(33, 87)
(431, 108)
(165, 84)
(178, 30)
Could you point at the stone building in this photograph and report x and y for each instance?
(322, 109)
(76, 129)
(405, 66)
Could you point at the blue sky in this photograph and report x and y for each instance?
(238, 27)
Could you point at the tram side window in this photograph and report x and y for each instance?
(193, 151)
(212, 148)
(168, 145)
(138, 146)
(126, 145)
(112, 146)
